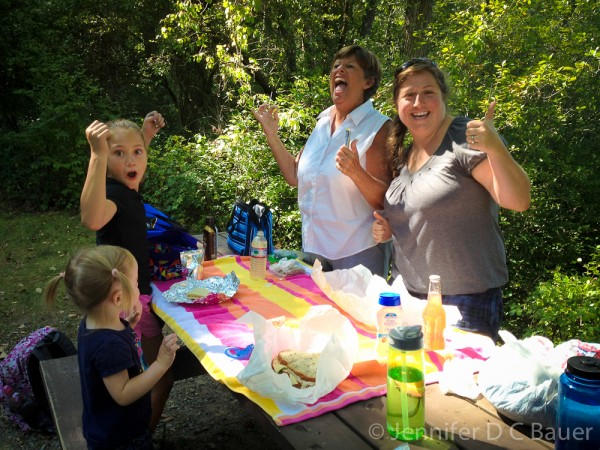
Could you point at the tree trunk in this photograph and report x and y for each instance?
(417, 16)
(371, 12)
(260, 78)
(345, 24)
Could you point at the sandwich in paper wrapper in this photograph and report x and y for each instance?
(323, 339)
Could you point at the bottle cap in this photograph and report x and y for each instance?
(260, 233)
(584, 367)
(389, 299)
(434, 278)
(407, 338)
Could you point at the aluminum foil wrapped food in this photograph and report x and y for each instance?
(210, 291)
(191, 263)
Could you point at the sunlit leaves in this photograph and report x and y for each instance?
(566, 307)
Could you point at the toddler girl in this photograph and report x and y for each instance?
(102, 282)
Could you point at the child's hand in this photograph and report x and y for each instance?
(153, 122)
(134, 317)
(98, 135)
(167, 350)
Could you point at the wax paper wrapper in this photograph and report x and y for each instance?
(357, 290)
(322, 330)
(220, 289)
(287, 268)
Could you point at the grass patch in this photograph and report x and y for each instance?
(36, 247)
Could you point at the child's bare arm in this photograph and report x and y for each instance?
(96, 210)
(125, 390)
(153, 122)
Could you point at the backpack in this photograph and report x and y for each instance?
(245, 223)
(22, 393)
(166, 239)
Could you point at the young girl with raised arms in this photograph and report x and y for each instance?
(113, 206)
(102, 282)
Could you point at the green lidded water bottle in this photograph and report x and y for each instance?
(406, 384)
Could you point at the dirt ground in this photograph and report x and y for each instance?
(200, 413)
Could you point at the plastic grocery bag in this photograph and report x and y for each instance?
(521, 380)
(354, 290)
(322, 330)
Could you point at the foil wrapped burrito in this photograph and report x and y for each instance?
(210, 291)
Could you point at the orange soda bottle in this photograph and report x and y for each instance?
(434, 316)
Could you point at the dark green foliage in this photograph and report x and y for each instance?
(56, 80)
(201, 177)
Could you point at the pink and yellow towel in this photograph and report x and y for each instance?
(209, 330)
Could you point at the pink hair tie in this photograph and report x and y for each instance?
(114, 273)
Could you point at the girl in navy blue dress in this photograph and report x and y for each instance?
(115, 385)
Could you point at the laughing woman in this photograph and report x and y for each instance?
(442, 206)
(342, 173)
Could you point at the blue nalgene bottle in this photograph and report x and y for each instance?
(578, 414)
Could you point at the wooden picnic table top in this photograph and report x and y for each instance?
(222, 247)
(451, 423)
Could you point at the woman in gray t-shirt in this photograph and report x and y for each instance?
(442, 206)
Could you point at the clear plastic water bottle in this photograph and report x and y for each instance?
(405, 415)
(389, 316)
(578, 414)
(258, 256)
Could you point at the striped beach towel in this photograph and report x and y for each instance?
(209, 330)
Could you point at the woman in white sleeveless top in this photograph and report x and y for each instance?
(342, 173)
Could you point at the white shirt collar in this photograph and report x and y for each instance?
(357, 114)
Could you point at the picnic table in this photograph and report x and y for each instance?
(350, 417)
